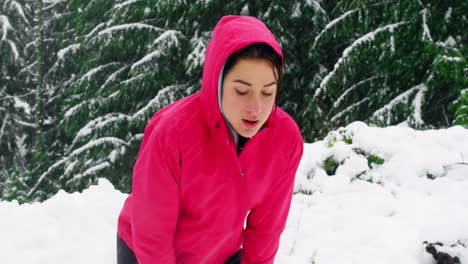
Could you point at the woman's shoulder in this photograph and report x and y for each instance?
(285, 124)
(290, 142)
(176, 116)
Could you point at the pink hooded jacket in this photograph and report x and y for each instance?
(191, 192)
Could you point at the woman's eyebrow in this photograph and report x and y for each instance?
(249, 84)
(242, 82)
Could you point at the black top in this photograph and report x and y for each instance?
(242, 141)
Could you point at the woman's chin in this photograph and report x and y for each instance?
(247, 132)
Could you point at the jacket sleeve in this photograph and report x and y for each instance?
(266, 222)
(156, 197)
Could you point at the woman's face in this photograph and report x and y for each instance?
(249, 91)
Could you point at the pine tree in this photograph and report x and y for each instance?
(108, 65)
(399, 62)
(111, 73)
(16, 92)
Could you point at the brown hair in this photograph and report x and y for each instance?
(258, 51)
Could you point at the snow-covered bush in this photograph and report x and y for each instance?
(391, 155)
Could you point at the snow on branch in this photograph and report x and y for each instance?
(197, 56)
(156, 102)
(310, 3)
(13, 48)
(100, 122)
(94, 169)
(350, 89)
(52, 4)
(130, 26)
(95, 143)
(94, 30)
(417, 105)
(19, 9)
(93, 71)
(5, 26)
(28, 69)
(90, 103)
(149, 57)
(451, 59)
(126, 3)
(348, 109)
(2, 129)
(168, 38)
(133, 79)
(117, 142)
(385, 111)
(72, 48)
(23, 123)
(426, 32)
(165, 40)
(316, 5)
(346, 53)
(163, 97)
(332, 24)
(111, 78)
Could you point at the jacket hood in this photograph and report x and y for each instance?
(231, 34)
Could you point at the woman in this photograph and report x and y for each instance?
(215, 171)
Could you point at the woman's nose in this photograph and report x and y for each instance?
(254, 106)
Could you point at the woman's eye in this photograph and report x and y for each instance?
(267, 94)
(241, 93)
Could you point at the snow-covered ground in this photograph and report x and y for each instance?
(391, 189)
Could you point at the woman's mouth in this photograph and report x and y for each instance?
(250, 123)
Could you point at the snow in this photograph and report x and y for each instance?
(20, 144)
(5, 26)
(149, 57)
(93, 71)
(296, 11)
(96, 168)
(129, 2)
(196, 58)
(450, 42)
(75, 108)
(157, 102)
(114, 118)
(13, 48)
(22, 104)
(349, 109)
(333, 23)
(111, 78)
(418, 104)
(350, 89)
(166, 40)
(127, 27)
(426, 32)
(447, 58)
(344, 220)
(385, 112)
(316, 4)
(100, 122)
(448, 14)
(4, 123)
(57, 230)
(346, 53)
(19, 9)
(94, 143)
(72, 48)
(95, 29)
(23, 123)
